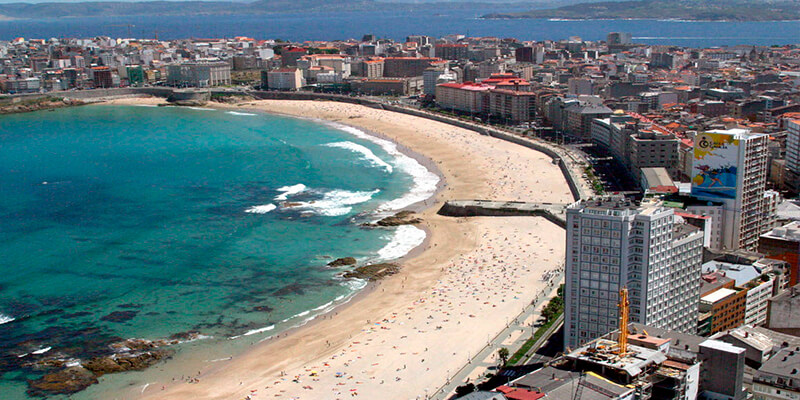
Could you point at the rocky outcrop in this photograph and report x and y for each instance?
(47, 103)
(189, 97)
(373, 272)
(231, 98)
(67, 381)
(125, 362)
(342, 262)
(126, 355)
(401, 218)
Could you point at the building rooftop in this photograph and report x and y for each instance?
(559, 384)
(722, 346)
(740, 273)
(745, 334)
(784, 364)
(678, 340)
(717, 295)
(632, 363)
(789, 232)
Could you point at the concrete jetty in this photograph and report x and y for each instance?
(554, 212)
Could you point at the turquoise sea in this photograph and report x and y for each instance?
(144, 222)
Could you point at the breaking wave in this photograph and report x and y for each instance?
(263, 209)
(367, 153)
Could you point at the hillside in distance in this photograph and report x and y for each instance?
(125, 8)
(690, 10)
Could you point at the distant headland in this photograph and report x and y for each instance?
(686, 10)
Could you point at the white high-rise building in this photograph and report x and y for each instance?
(613, 243)
(793, 151)
(730, 166)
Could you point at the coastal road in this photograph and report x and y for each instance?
(516, 333)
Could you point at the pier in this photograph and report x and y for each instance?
(554, 212)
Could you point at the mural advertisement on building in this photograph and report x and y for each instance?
(714, 167)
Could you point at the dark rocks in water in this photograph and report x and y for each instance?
(294, 288)
(119, 316)
(129, 305)
(373, 272)
(401, 218)
(76, 314)
(262, 309)
(125, 362)
(66, 381)
(184, 336)
(342, 262)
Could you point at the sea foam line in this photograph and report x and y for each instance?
(239, 113)
(253, 332)
(425, 181)
(262, 209)
(365, 152)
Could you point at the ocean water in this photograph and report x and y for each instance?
(397, 24)
(143, 222)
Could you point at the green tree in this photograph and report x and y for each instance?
(503, 354)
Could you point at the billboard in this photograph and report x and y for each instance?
(714, 166)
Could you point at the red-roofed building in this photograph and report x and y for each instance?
(519, 393)
(467, 97)
(290, 55)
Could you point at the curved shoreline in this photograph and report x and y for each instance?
(470, 169)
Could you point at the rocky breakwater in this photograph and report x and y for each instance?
(66, 376)
(45, 103)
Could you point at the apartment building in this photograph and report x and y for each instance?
(614, 243)
(199, 74)
(402, 67)
(730, 166)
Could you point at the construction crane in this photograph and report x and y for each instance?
(624, 305)
(129, 26)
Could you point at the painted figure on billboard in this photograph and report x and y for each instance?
(714, 169)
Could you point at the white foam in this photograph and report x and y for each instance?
(367, 153)
(303, 314)
(263, 209)
(201, 109)
(42, 350)
(336, 202)
(354, 285)
(4, 319)
(239, 113)
(145, 105)
(73, 363)
(289, 191)
(425, 181)
(404, 239)
(254, 331)
(322, 307)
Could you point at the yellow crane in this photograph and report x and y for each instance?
(624, 305)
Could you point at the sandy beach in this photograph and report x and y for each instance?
(412, 331)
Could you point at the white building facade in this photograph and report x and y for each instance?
(612, 243)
